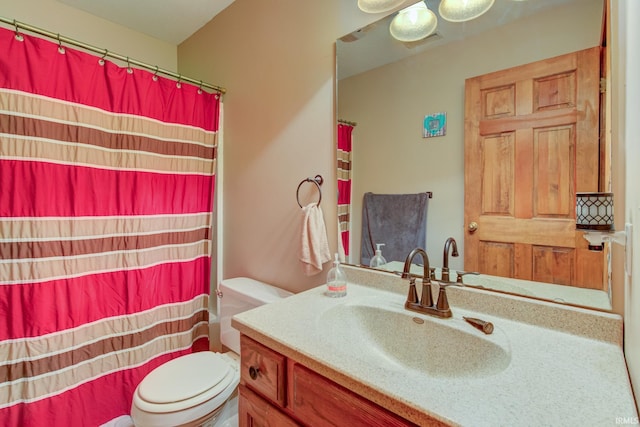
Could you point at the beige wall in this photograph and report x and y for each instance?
(56, 17)
(389, 103)
(277, 62)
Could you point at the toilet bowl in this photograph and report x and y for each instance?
(195, 389)
(188, 390)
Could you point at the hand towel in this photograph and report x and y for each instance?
(397, 220)
(314, 247)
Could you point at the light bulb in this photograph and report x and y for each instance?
(413, 23)
(463, 10)
(378, 6)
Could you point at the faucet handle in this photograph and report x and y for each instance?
(464, 273)
(442, 305)
(412, 296)
(458, 284)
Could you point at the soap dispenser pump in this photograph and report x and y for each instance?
(378, 259)
(336, 280)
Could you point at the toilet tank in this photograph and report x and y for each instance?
(238, 295)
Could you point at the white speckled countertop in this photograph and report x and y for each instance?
(566, 364)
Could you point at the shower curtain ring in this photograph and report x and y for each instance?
(18, 35)
(178, 84)
(60, 47)
(200, 88)
(129, 69)
(155, 75)
(104, 55)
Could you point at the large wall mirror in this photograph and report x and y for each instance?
(387, 87)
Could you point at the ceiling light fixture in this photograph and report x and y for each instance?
(413, 23)
(378, 6)
(463, 10)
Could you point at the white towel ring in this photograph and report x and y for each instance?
(317, 180)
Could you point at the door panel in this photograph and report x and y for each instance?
(554, 172)
(531, 142)
(498, 258)
(553, 265)
(555, 91)
(497, 183)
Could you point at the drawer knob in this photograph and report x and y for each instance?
(253, 372)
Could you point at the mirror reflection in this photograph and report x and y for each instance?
(397, 93)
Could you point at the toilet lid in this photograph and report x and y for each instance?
(184, 377)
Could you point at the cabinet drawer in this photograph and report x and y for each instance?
(321, 402)
(254, 411)
(263, 370)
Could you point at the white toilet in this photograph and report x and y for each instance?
(193, 390)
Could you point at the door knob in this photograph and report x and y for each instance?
(473, 226)
(253, 372)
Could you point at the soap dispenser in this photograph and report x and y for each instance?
(378, 259)
(336, 280)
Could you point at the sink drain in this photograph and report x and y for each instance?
(418, 320)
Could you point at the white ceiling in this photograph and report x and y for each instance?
(170, 20)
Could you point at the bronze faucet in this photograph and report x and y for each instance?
(445, 259)
(424, 304)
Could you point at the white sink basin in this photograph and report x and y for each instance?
(381, 332)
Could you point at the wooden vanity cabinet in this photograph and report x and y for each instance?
(276, 391)
(255, 411)
(263, 370)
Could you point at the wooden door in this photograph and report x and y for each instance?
(532, 142)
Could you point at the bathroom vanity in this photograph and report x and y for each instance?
(365, 360)
(291, 391)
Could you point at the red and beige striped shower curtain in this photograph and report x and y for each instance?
(106, 189)
(344, 182)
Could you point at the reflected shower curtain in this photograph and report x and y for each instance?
(106, 189)
(344, 183)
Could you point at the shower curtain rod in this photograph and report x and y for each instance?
(347, 122)
(107, 53)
